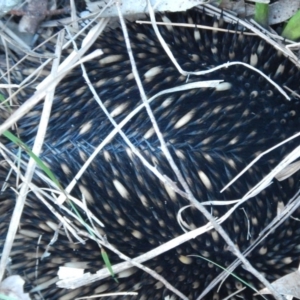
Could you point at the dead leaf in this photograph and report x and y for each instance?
(12, 286)
(286, 285)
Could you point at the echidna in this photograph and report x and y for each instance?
(211, 133)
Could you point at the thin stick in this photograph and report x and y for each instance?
(37, 147)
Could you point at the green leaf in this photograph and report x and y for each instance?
(262, 14)
(292, 29)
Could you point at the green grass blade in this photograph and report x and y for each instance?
(230, 273)
(38, 161)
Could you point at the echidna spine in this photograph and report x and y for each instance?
(224, 131)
